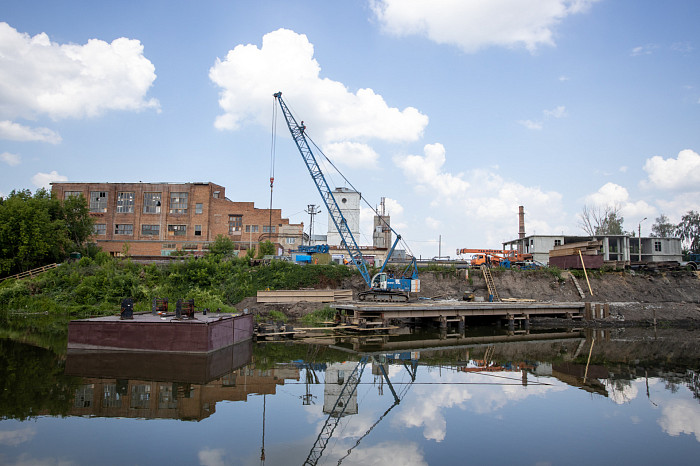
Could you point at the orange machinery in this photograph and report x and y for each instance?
(494, 257)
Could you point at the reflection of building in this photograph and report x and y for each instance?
(337, 401)
(174, 400)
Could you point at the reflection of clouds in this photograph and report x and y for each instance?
(383, 453)
(211, 457)
(15, 437)
(425, 410)
(26, 460)
(681, 417)
(621, 391)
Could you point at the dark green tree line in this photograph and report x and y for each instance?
(39, 229)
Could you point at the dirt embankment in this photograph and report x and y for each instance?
(633, 297)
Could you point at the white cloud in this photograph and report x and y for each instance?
(530, 124)
(643, 50)
(10, 159)
(406, 453)
(681, 417)
(15, 132)
(352, 154)
(15, 437)
(248, 76)
(681, 173)
(44, 180)
(432, 223)
(614, 195)
(427, 172)
(211, 457)
(557, 112)
(40, 77)
(473, 25)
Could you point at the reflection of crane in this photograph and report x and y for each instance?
(346, 393)
(334, 417)
(397, 400)
(382, 286)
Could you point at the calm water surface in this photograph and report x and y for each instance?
(378, 401)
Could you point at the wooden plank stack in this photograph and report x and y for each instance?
(587, 248)
(295, 296)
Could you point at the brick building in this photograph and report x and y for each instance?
(157, 219)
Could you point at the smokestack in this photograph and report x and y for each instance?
(521, 222)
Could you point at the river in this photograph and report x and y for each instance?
(410, 400)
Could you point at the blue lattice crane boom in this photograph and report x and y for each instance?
(346, 237)
(382, 287)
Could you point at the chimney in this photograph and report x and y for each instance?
(521, 222)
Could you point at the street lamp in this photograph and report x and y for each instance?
(640, 238)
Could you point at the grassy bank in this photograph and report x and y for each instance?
(94, 287)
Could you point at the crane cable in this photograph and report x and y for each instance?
(273, 145)
(355, 189)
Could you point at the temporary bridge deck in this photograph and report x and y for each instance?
(455, 311)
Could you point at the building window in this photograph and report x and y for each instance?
(177, 230)
(235, 223)
(111, 398)
(251, 228)
(123, 229)
(557, 242)
(178, 203)
(125, 203)
(291, 240)
(83, 396)
(198, 207)
(198, 230)
(151, 203)
(189, 246)
(168, 246)
(140, 396)
(266, 229)
(150, 230)
(657, 246)
(216, 194)
(68, 194)
(98, 201)
(99, 229)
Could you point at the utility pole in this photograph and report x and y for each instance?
(312, 210)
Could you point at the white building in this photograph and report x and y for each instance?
(349, 204)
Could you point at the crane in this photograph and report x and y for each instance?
(382, 286)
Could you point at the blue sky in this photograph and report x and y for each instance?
(455, 111)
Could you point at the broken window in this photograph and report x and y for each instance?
(198, 230)
(198, 207)
(151, 203)
(123, 229)
(150, 230)
(216, 194)
(98, 201)
(125, 203)
(557, 242)
(99, 229)
(657, 246)
(177, 230)
(178, 203)
(235, 223)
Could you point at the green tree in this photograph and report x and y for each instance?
(222, 247)
(663, 228)
(266, 248)
(78, 221)
(32, 231)
(689, 231)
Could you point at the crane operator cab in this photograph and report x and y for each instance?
(379, 281)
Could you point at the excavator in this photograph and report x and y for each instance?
(382, 286)
(495, 257)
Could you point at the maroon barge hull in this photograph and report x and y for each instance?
(147, 332)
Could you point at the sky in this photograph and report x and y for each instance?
(456, 111)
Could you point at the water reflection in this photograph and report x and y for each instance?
(361, 400)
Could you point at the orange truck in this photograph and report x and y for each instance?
(494, 257)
